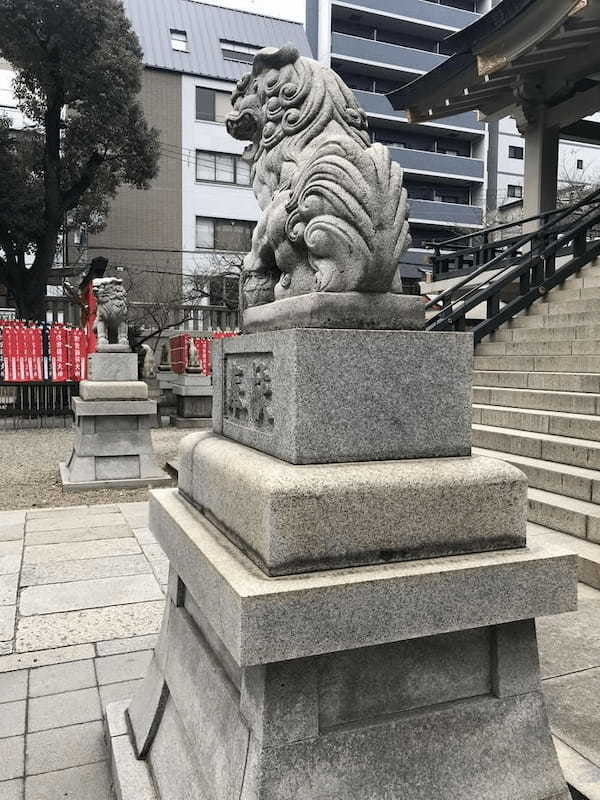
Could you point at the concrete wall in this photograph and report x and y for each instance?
(144, 226)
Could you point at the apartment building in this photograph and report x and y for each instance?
(200, 211)
(377, 46)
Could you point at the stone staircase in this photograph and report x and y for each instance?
(536, 404)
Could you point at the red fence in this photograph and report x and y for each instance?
(32, 353)
(179, 351)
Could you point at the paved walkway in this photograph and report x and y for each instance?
(81, 599)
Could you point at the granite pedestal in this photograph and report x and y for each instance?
(194, 399)
(351, 595)
(113, 418)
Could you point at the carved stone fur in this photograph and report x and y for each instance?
(334, 209)
(111, 311)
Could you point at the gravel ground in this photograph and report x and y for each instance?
(29, 468)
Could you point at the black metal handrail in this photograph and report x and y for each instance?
(462, 247)
(535, 270)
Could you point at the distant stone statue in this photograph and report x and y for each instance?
(194, 365)
(149, 363)
(335, 210)
(165, 358)
(111, 314)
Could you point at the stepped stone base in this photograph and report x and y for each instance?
(112, 446)
(415, 680)
(291, 519)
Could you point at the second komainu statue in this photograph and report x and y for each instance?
(334, 209)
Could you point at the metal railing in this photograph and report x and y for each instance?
(524, 266)
(43, 404)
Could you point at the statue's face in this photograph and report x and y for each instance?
(246, 120)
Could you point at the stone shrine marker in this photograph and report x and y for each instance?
(351, 597)
(113, 445)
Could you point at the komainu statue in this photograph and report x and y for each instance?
(111, 314)
(334, 209)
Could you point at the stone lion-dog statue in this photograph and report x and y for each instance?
(334, 208)
(111, 313)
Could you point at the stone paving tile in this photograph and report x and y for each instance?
(12, 753)
(570, 642)
(144, 535)
(153, 552)
(10, 533)
(161, 571)
(12, 790)
(6, 648)
(54, 598)
(60, 748)
(73, 551)
(134, 511)
(112, 692)
(36, 513)
(39, 658)
(85, 569)
(12, 719)
(77, 627)
(573, 704)
(62, 678)
(63, 522)
(10, 564)
(12, 517)
(123, 667)
(130, 645)
(8, 589)
(78, 535)
(13, 686)
(90, 782)
(66, 708)
(7, 622)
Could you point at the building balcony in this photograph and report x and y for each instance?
(434, 212)
(421, 161)
(378, 105)
(426, 13)
(405, 59)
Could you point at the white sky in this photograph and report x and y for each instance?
(283, 9)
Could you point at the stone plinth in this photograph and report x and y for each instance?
(193, 395)
(290, 518)
(312, 396)
(112, 444)
(373, 682)
(352, 310)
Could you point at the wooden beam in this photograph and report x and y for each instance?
(575, 108)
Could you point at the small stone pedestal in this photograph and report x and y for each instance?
(194, 398)
(113, 416)
(351, 596)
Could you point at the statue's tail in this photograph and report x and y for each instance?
(351, 210)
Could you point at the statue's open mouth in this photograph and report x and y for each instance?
(243, 126)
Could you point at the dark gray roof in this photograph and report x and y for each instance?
(206, 26)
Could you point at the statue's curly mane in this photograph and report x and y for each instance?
(112, 302)
(335, 210)
(300, 100)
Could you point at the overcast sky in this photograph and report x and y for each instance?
(284, 9)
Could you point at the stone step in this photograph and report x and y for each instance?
(551, 320)
(575, 482)
(543, 307)
(561, 449)
(576, 426)
(561, 333)
(565, 347)
(568, 293)
(571, 402)
(579, 363)
(550, 381)
(588, 553)
(575, 517)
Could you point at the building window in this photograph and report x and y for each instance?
(244, 53)
(222, 168)
(223, 234)
(179, 41)
(212, 106)
(580, 163)
(515, 152)
(514, 190)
